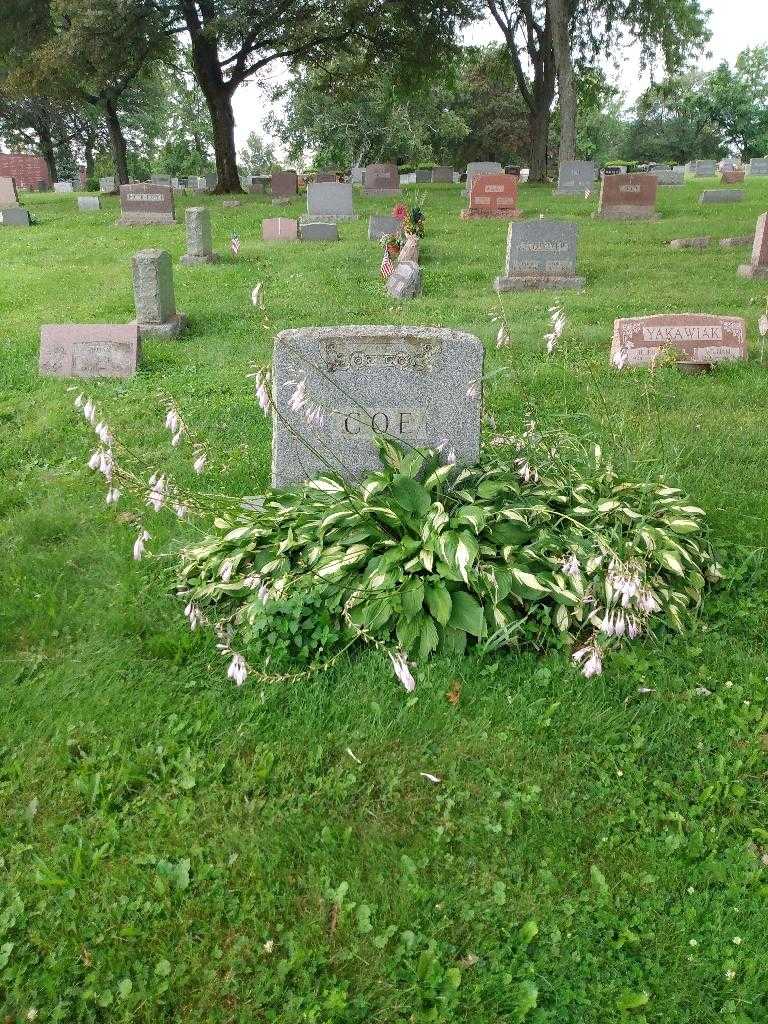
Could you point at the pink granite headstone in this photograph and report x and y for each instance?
(758, 264)
(695, 337)
(492, 195)
(628, 197)
(89, 350)
(280, 229)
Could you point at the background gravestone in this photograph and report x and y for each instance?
(758, 265)
(665, 177)
(8, 194)
(280, 229)
(423, 176)
(541, 255)
(419, 385)
(197, 220)
(63, 186)
(318, 231)
(628, 197)
(382, 180)
(383, 224)
(356, 175)
(153, 291)
(15, 216)
(89, 350)
(704, 168)
(575, 177)
(758, 166)
(721, 195)
(108, 186)
(492, 195)
(285, 184)
(442, 175)
(733, 177)
(146, 204)
(88, 204)
(698, 337)
(480, 167)
(331, 200)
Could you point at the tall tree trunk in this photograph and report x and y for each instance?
(88, 154)
(47, 149)
(117, 142)
(218, 96)
(538, 126)
(566, 85)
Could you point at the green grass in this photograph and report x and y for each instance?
(158, 826)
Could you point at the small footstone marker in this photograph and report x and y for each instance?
(697, 337)
(89, 350)
(153, 292)
(416, 385)
(318, 231)
(280, 229)
(15, 217)
(199, 245)
(721, 195)
(758, 265)
(541, 255)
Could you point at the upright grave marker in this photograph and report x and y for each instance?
(146, 204)
(280, 229)
(88, 204)
(758, 265)
(15, 217)
(382, 180)
(481, 167)
(417, 385)
(330, 200)
(704, 168)
(575, 177)
(721, 195)
(89, 350)
(197, 220)
(696, 337)
(108, 186)
(8, 194)
(63, 186)
(666, 178)
(733, 177)
(285, 185)
(442, 175)
(628, 197)
(318, 231)
(541, 255)
(492, 195)
(380, 225)
(758, 167)
(153, 291)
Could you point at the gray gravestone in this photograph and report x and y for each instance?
(153, 293)
(704, 168)
(442, 175)
(89, 350)
(665, 177)
(381, 180)
(541, 255)
(383, 224)
(285, 184)
(721, 195)
(330, 199)
(63, 186)
(160, 179)
(356, 175)
(418, 385)
(423, 176)
(405, 280)
(108, 186)
(758, 166)
(481, 167)
(8, 195)
(575, 177)
(15, 216)
(88, 204)
(318, 231)
(146, 204)
(199, 245)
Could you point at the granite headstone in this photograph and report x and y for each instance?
(330, 200)
(758, 264)
(541, 255)
(197, 220)
(156, 312)
(696, 337)
(382, 180)
(146, 204)
(628, 197)
(89, 350)
(575, 177)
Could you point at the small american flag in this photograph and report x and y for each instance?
(387, 268)
(235, 244)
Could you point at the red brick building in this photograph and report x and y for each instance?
(27, 170)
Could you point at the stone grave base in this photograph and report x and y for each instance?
(754, 273)
(496, 215)
(691, 243)
(537, 283)
(628, 213)
(736, 241)
(325, 218)
(571, 191)
(171, 329)
(282, 200)
(195, 261)
(386, 193)
(319, 231)
(136, 220)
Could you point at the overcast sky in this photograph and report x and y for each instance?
(735, 25)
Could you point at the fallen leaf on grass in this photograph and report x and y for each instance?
(431, 778)
(454, 693)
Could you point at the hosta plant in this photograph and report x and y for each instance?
(420, 557)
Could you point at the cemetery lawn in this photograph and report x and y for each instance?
(174, 848)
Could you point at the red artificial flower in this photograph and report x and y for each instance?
(400, 211)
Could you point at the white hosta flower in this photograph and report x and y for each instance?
(226, 570)
(102, 432)
(176, 439)
(648, 603)
(180, 509)
(139, 545)
(298, 398)
(502, 338)
(526, 472)
(172, 420)
(156, 495)
(590, 660)
(263, 593)
(238, 670)
(194, 614)
(89, 411)
(257, 296)
(79, 402)
(95, 460)
(201, 461)
(762, 325)
(253, 581)
(113, 495)
(620, 358)
(571, 566)
(403, 673)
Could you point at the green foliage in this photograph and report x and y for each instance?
(426, 558)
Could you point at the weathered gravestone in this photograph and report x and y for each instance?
(669, 178)
(380, 225)
(88, 204)
(89, 350)
(285, 184)
(15, 217)
(8, 195)
(405, 280)
(63, 186)
(704, 168)
(628, 197)
(382, 180)
(721, 195)
(727, 165)
(418, 385)
(541, 255)
(146, 204)
(758, 167)
(356, 175)
(423, 176)
(480, 167)
(160, 179)
(575, 177)
(280, 229)
(43, 186)
(326, 177)
(442, 175)
(318, 231)
(696, 337)
(758, 265)
(197, 220)
(108, 186)
(492, 195)
(153, 292)
(732, 177)
(330, 200)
